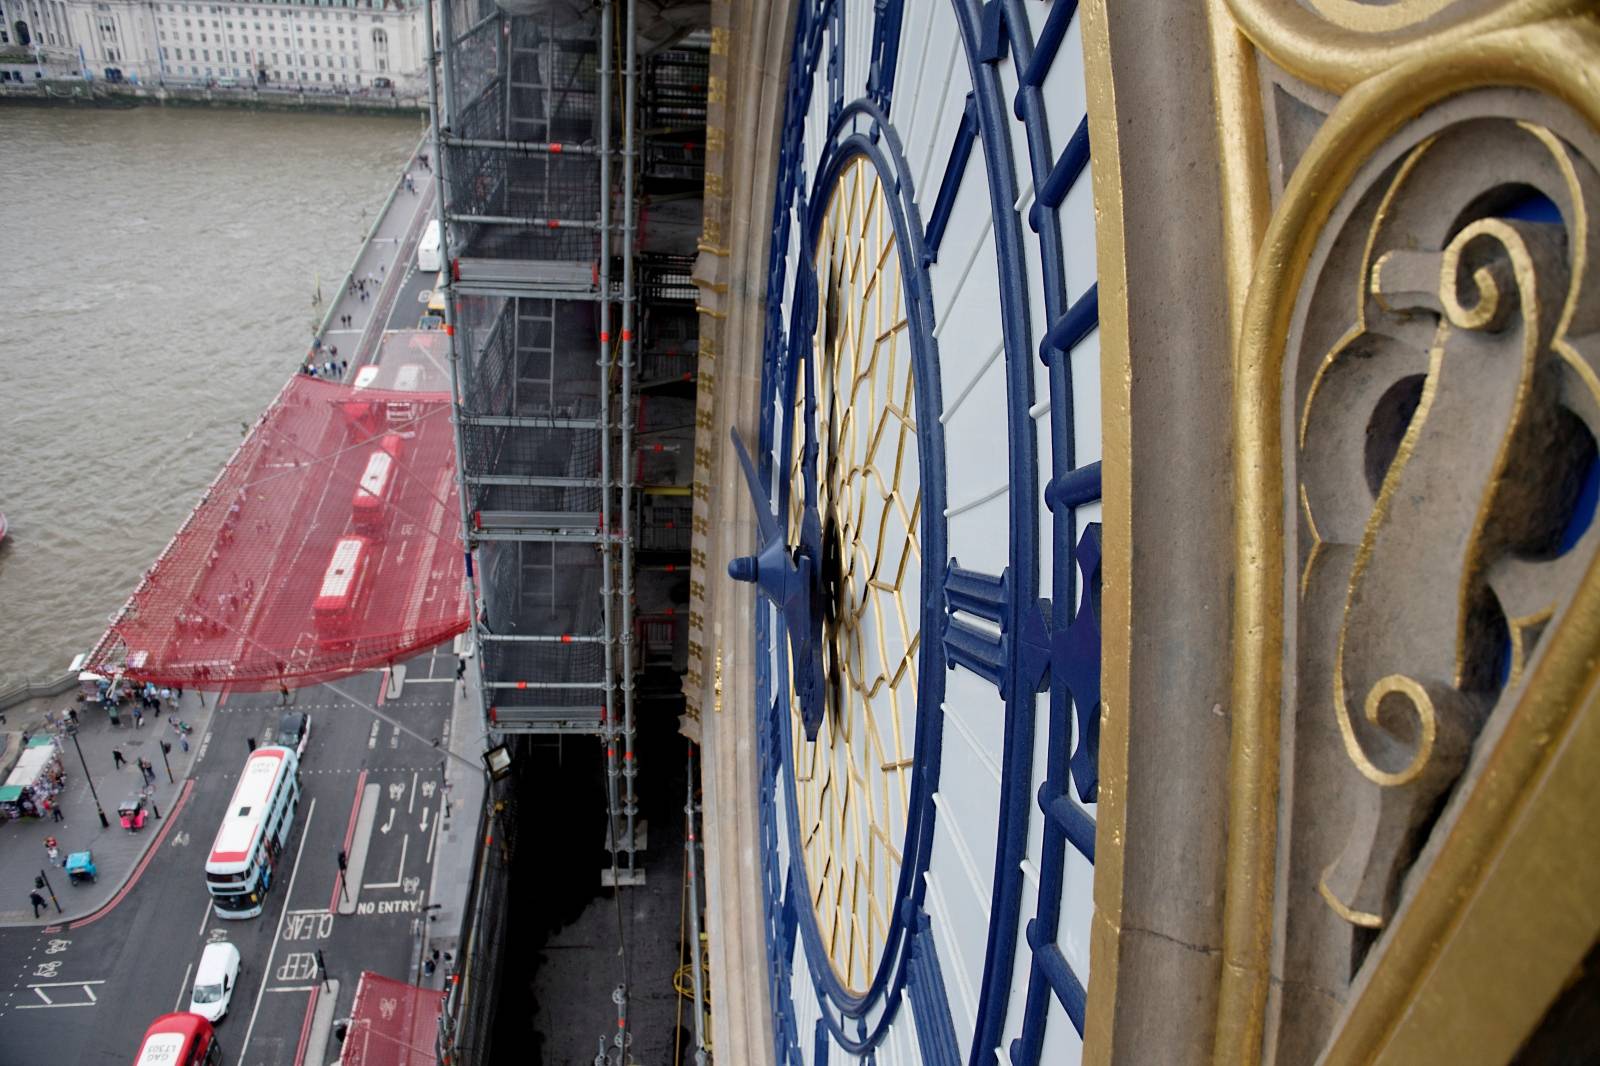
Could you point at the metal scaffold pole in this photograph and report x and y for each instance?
(691, 849)
(438, 102)
(607, 589)
(629, 121)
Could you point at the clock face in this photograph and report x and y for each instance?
(927, 460)
(857, 391)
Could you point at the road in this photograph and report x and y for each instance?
(85, 992)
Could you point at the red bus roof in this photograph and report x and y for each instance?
(343, 568)
(170, 1037)
(374, 480)
(248, 806)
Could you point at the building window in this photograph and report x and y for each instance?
(206, 54)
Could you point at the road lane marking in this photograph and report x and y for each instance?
(432, 839)
(182, 988)
(266, 971)
(350, 827)
(411, 803)
(46, 1001)
(357, 852)
(305, 1026)
(399, 877)
(292, 988)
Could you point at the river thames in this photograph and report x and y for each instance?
(161, 270)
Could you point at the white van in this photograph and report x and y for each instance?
(428, 260)
(214, 981)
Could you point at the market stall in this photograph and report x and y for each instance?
(31, 789)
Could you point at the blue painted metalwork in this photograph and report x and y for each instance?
(1017, 754)
(1042, 55)
(1074, 488)
(1044, 640)
(839, 1005)
(835, 59)
(1081, 319)
(930, 1003)
(887, 18)
(954, 170)
(1072, 163)
(780, 375)
(1052, 964)
(984, 596)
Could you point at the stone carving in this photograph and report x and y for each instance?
(1446, 459)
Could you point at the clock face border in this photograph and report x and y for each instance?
(1040, 590)
(862, 131)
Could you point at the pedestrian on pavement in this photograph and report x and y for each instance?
(461, 669)
(138, 716)
(148, 770)
(55, 812)
(183, 740)
(283, 694)
(117, 758)
(52, 849)
(37, 901)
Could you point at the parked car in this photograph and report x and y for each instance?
(214, 981)
(294, 729)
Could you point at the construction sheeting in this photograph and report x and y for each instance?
(392, 1024)
(247, 594)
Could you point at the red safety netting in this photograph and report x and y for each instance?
(330, 543)
(392, 1024)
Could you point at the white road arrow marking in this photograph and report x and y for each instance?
(425, 811)
(385, 827)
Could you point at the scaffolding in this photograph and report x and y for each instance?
(567, 340)
(573, 342)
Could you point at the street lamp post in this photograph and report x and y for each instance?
(105, 823)
(166, 747)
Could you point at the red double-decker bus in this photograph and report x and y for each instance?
(369, 509)
(179, 1040)
(340, 599)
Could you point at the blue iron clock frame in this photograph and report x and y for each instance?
(1040, 653)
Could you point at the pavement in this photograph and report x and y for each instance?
(122, 950)
(117, 851)
(389, 257)
(388, 260)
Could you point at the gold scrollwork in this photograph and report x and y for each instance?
(1391, 79)
(1337, 43)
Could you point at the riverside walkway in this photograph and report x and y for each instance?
(388, 254)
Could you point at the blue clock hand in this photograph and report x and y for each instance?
(787, 577)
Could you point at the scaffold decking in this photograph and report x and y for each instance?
(329, 543)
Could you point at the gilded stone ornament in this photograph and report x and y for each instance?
(1417, 472)
(1336, 43)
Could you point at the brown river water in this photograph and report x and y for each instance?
(160, 271)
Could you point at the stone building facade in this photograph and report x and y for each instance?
(342, 47)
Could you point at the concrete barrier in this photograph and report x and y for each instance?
(29, 690)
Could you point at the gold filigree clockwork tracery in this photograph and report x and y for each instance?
(852, 785)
